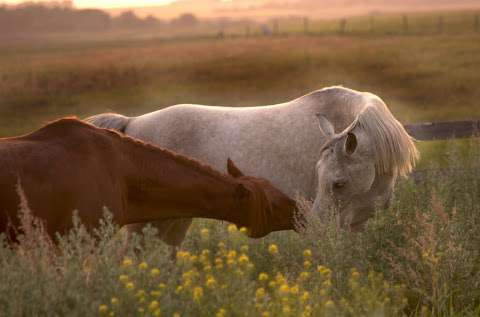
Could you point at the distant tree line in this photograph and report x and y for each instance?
(63, 17)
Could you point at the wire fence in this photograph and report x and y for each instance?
(374, 24)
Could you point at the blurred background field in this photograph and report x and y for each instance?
(423, 74)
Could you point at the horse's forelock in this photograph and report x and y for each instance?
(394, 150)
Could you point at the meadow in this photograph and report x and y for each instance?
(419, 258)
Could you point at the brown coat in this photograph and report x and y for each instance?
(71, 165)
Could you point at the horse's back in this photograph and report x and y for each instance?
(59, 171)
(261, 140)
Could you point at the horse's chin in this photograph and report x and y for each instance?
(358, 226)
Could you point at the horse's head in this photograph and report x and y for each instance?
(270, 209)
(358, 167)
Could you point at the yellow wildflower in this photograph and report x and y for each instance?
(103, 309)
(260, 293)
(284, 289)
(127, 262)
(330, 304)
(141, 310)
(286, 309)
(155, 293)
(280, 279)
(140, 293)
(114, 301)
(307, 311)
(304, 276)
(243, 259)
(158, 313)
(272, 284)
(123, 278)
(143, 266)
(210, 282)
(176, 315)
(154, 272)
(307, 264)
(232, 228)
(266, 314)
(327, 284)
(232, 254)
(218, 263)
(221, 313)
(244, 248)
(273, 249)
(153, 305)
(130, 286)
(323, 270)
(183, 255)
(161, 286)
(305, 296)
(294, 289)
(243, 230)
(193, 258)
(307, 254)
(262, 277)
(207, 268)
(179, 289)
(205, 233)
(197, 293)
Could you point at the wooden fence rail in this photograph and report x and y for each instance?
(428, 131)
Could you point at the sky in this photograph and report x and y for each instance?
(265, 8)
(106, 3)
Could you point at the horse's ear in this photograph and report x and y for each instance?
(325, 126)
(351, 143)
(242, 192)
(233, 170)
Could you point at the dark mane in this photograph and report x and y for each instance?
(73, 122)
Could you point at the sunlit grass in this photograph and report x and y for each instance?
(418, 258)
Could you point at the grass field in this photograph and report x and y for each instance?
(420, 77)
(420, 258)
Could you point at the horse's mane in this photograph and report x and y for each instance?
(68, 122)
(394, 150)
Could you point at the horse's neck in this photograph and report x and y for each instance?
(161, 186)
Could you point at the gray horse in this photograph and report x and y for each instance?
(340, 147)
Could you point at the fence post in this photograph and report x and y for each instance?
(440, 24)
(275, 27)
(343, 26)
(306, 25)
(372, 23)
(405, 24)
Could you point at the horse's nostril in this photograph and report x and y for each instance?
(338, 184)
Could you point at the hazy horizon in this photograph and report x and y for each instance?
(263, 8)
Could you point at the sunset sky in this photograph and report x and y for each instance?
(266, 8)
(106, 3)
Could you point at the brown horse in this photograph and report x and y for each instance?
(71, 165)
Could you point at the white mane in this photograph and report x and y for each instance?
(394, 150)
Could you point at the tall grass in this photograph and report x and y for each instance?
(421, 257)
